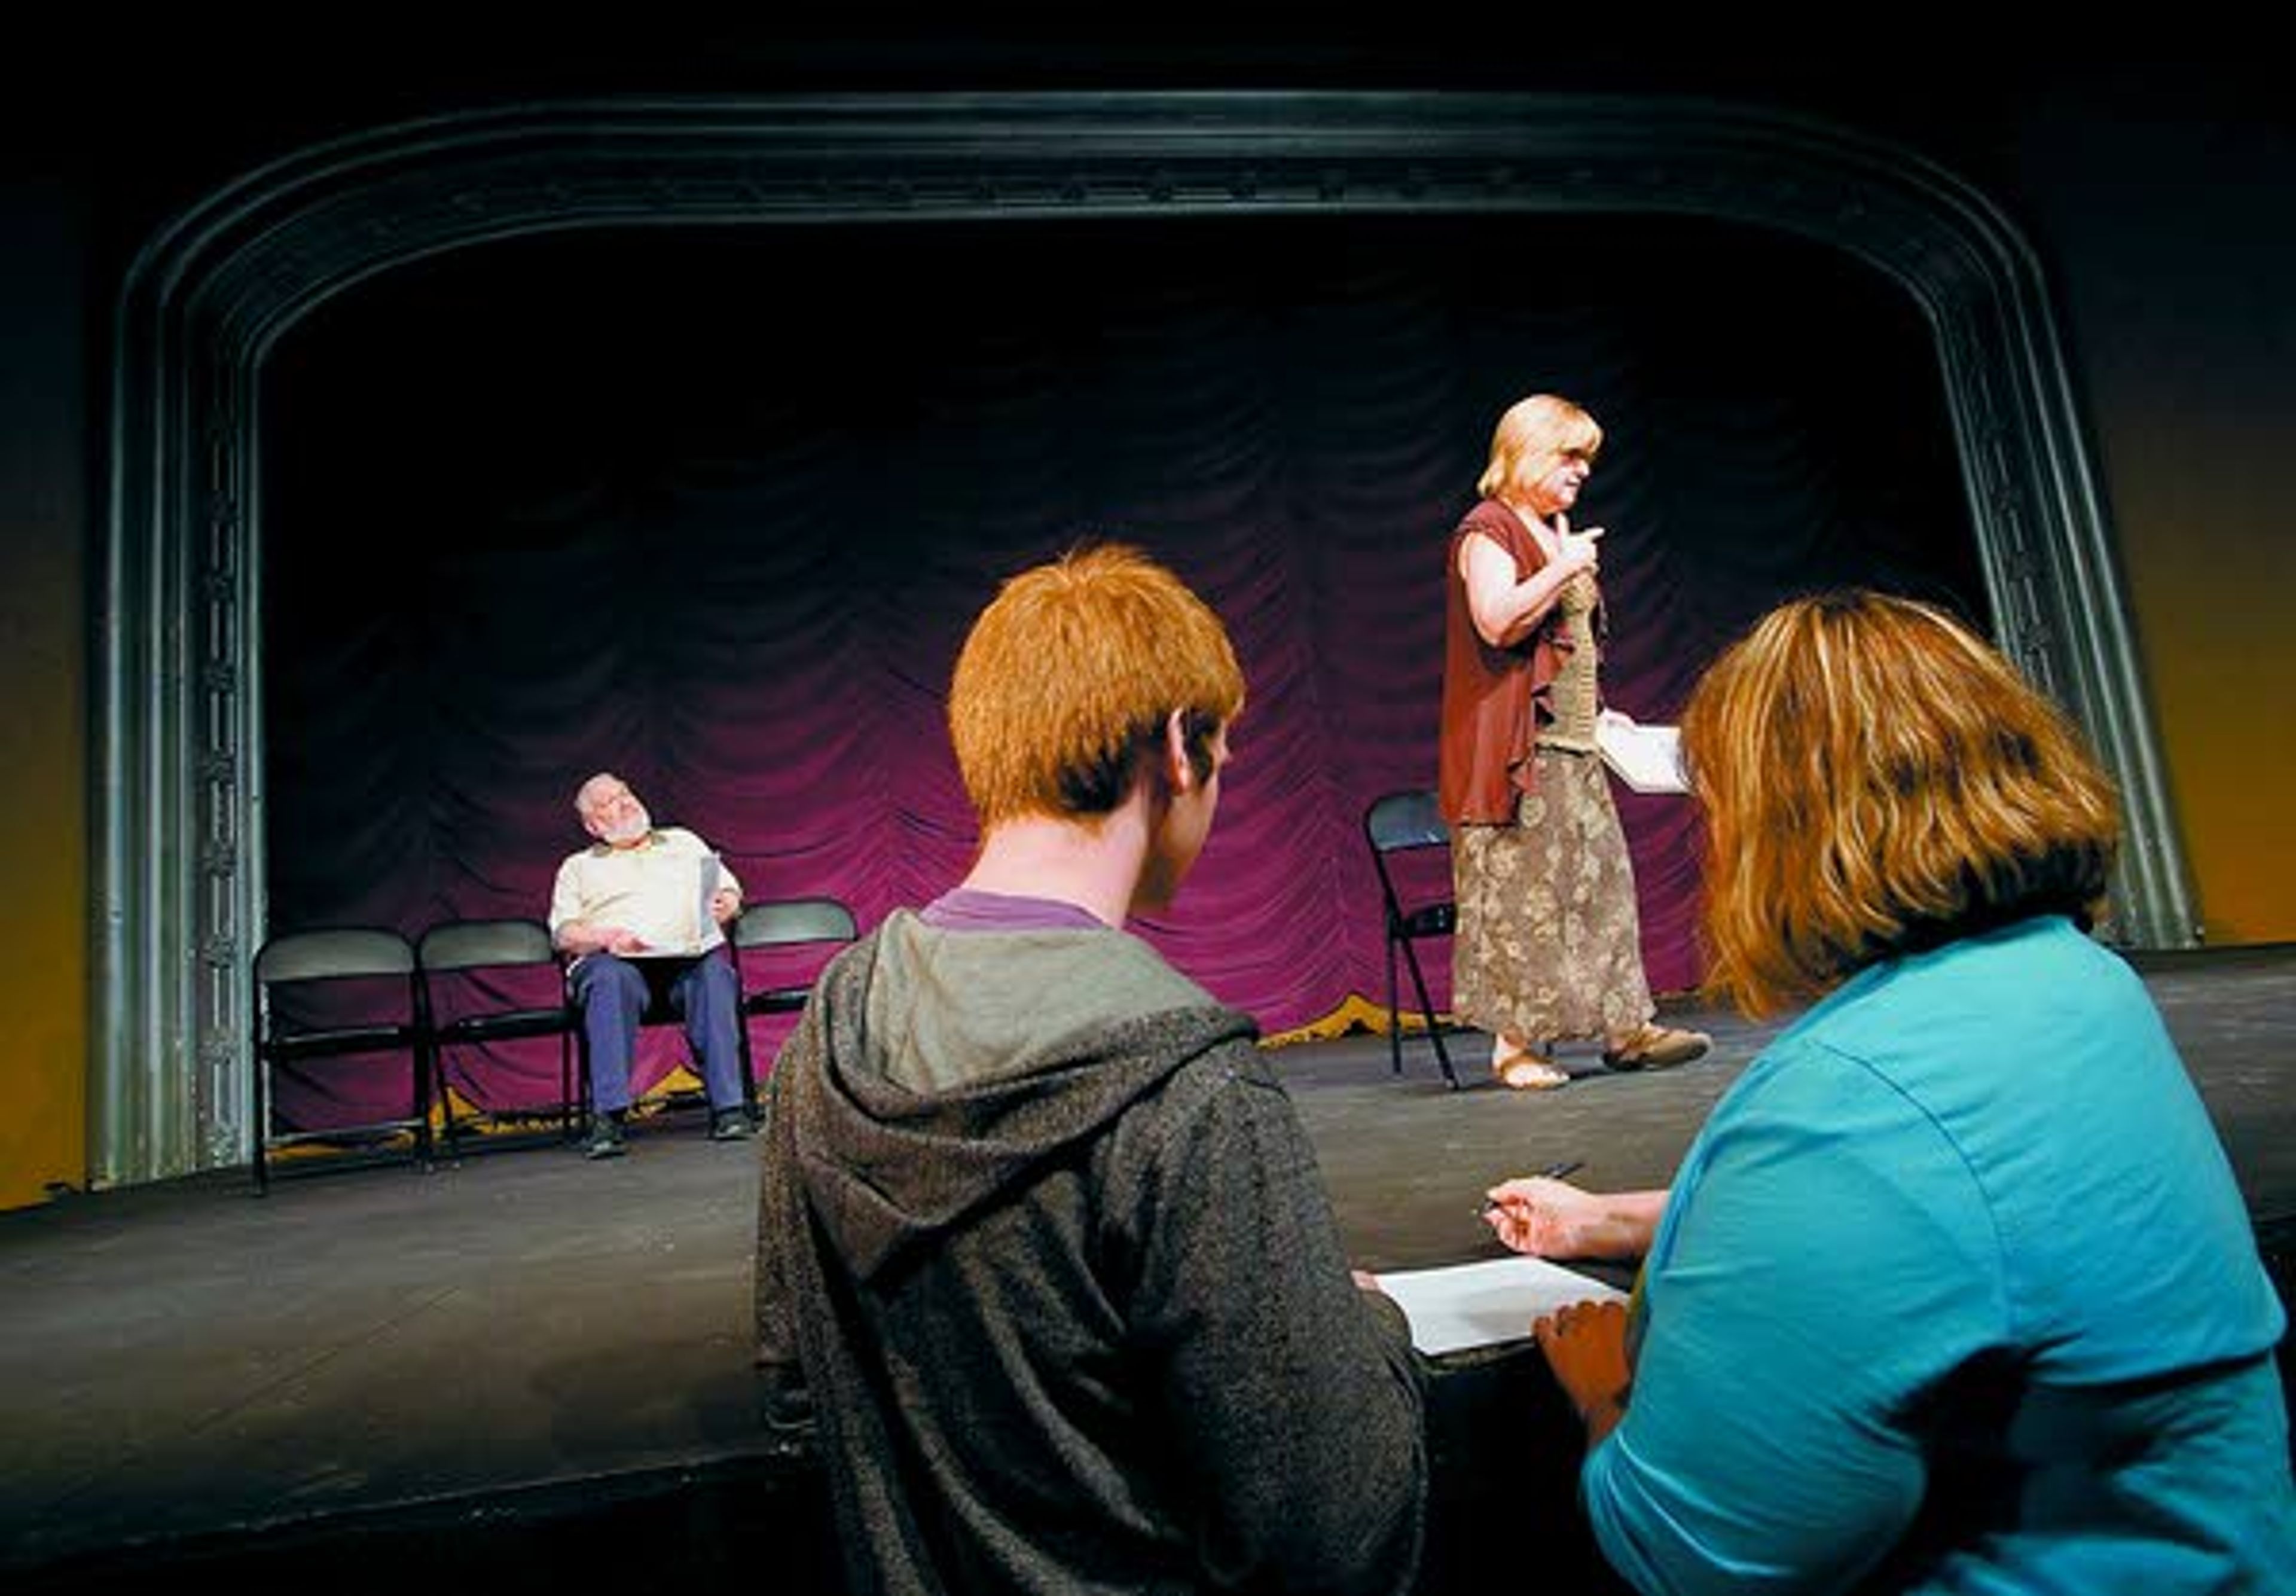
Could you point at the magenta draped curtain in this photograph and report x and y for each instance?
(713, 509)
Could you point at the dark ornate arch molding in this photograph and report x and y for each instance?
(180, 872)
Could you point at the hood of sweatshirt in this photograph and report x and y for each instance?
(956, 1064)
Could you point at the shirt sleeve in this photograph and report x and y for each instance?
(566, 903)
(1297, 1397)
(1826, 1258)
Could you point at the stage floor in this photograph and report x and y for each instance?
(188, 1368)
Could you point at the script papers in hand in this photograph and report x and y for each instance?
(1647, 758)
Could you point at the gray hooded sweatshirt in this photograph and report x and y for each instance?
(1045, 1255)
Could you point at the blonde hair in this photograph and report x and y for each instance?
(1877, 779)
(1531, 438)
(1071, 670)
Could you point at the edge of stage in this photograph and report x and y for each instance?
(524, 1367)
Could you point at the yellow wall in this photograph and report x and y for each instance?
(2165, 207)
(2213, 583)
(43, 510)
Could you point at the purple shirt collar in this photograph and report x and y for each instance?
(969, 908)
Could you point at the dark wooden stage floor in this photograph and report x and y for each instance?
(524, 1368)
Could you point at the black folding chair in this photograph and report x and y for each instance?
(1399, 823)
(337, 992)
(489, 982)
(817, 928)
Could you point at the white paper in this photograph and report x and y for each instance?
(1647, 758)
(706, 934)
(689, 929)
(1486, 1303)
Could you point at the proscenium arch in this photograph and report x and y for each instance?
(179, 875)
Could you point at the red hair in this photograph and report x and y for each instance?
(1072, 669)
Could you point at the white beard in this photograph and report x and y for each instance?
(630, 830)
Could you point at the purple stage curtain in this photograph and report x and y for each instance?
(713, 510)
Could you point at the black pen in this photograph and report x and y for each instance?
(1553, 1172)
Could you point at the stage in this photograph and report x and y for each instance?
(524, 1368)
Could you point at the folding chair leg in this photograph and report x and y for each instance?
(1443, 1056)
(425, 1149)
(750, 1105)
(577, 1101)
(450, 1133)
(1394, 1015)
(568, 1112)
(1427, 1008)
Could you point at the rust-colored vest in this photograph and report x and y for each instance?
(1488, 694)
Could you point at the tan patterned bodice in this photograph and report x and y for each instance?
(1574, 697)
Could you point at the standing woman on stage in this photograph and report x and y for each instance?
(1955, 1289)
(1549, 940)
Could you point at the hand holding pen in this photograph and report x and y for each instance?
(1499, 1197)
(1544, 1215)
(1540, 1213)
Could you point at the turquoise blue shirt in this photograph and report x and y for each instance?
(1955, 1291)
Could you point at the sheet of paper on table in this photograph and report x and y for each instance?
(1484, 1304)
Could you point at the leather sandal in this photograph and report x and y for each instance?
(1657, 1047)
(1527, 1069)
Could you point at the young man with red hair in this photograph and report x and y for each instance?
(1043, 1247)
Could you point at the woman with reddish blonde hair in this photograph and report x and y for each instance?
(1549, 938)
(1955, 1289)
(1876, 779)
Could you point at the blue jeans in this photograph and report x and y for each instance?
(614, 993)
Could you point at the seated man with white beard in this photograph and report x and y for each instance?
(641, 911)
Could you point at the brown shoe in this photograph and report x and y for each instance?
(1657, 1047)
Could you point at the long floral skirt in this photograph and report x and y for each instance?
(1549, 941)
